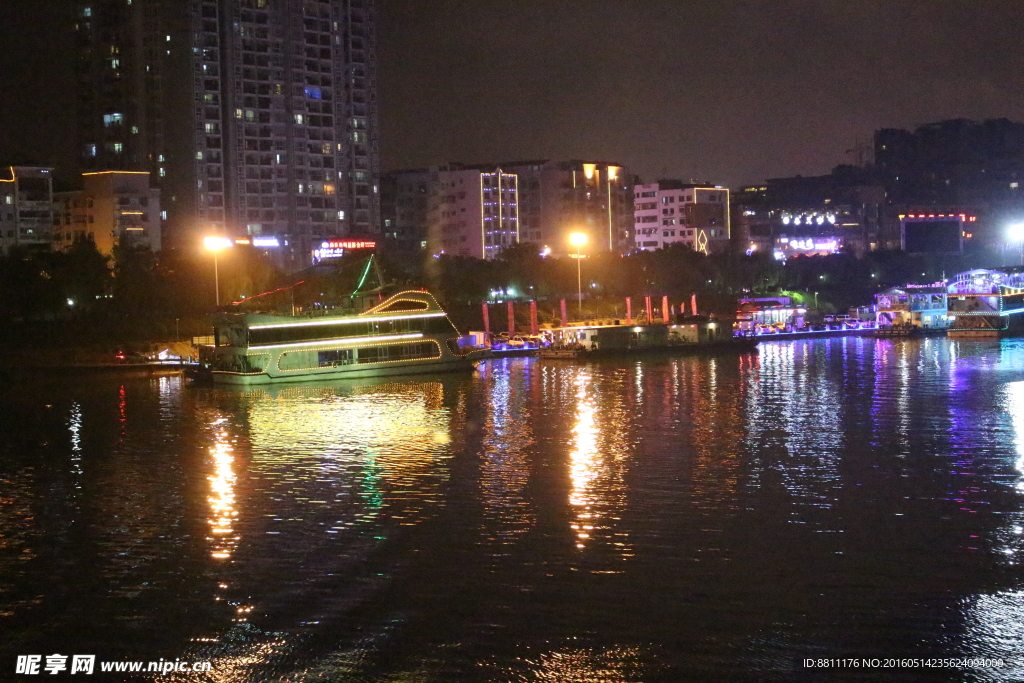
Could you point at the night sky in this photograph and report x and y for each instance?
(730, 92)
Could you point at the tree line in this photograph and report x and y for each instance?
(79, 296)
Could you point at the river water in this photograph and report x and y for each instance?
(659, 519)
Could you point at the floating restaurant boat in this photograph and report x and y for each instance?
(563, 352)
(407, 333)
(912, 310)
(616, 338)
(987, 303)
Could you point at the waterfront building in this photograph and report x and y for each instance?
(768, 314)
(846, 207)
(255, 118)
(672, 212)
(923, 306)
(26, 207)
(112, 208)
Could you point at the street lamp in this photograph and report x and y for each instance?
(1016, 234)
(578, 239)
(215, 243)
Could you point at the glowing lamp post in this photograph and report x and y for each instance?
(578, 239)
(1016, 234)
(215, 243)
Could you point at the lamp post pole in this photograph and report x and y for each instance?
(580, 282)
(215, 243)
(216, 280)
(578, 239)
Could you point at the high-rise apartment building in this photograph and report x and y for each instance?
(255, 117)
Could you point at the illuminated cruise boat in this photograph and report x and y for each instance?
(986, 303)
(407, 333)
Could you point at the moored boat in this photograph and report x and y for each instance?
(405, 334)
(563, 352)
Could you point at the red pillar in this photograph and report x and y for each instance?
(650, 312)
(511, 319)
(487, 320)
(565, 316)
(629, 310)
(693, 303)
(664, 309)
(534, 327)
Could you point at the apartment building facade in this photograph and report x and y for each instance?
(671, 212)
(472, 211)
(112, 208)
(26, 207)
(255, 117)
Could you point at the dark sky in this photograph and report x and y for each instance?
(732, 91)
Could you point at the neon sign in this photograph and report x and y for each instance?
(336, 248)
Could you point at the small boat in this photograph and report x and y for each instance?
(407, 333)
(906, 330)
(565, 352)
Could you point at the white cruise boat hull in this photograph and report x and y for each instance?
(408, 333)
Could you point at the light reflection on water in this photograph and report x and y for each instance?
(634, 520)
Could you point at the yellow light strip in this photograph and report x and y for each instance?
(350, 321)
(122, 172)
(400, 297)
(440, 354)
(345, 341)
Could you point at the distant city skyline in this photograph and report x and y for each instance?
(731, 93)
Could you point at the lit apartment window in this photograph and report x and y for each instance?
(113, 119)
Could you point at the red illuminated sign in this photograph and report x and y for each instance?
(335, 248)
(349, 244)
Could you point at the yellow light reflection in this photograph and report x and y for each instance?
(585, 665)
(223, 508)
(583, 464)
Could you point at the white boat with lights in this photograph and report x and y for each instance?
(407, 333)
